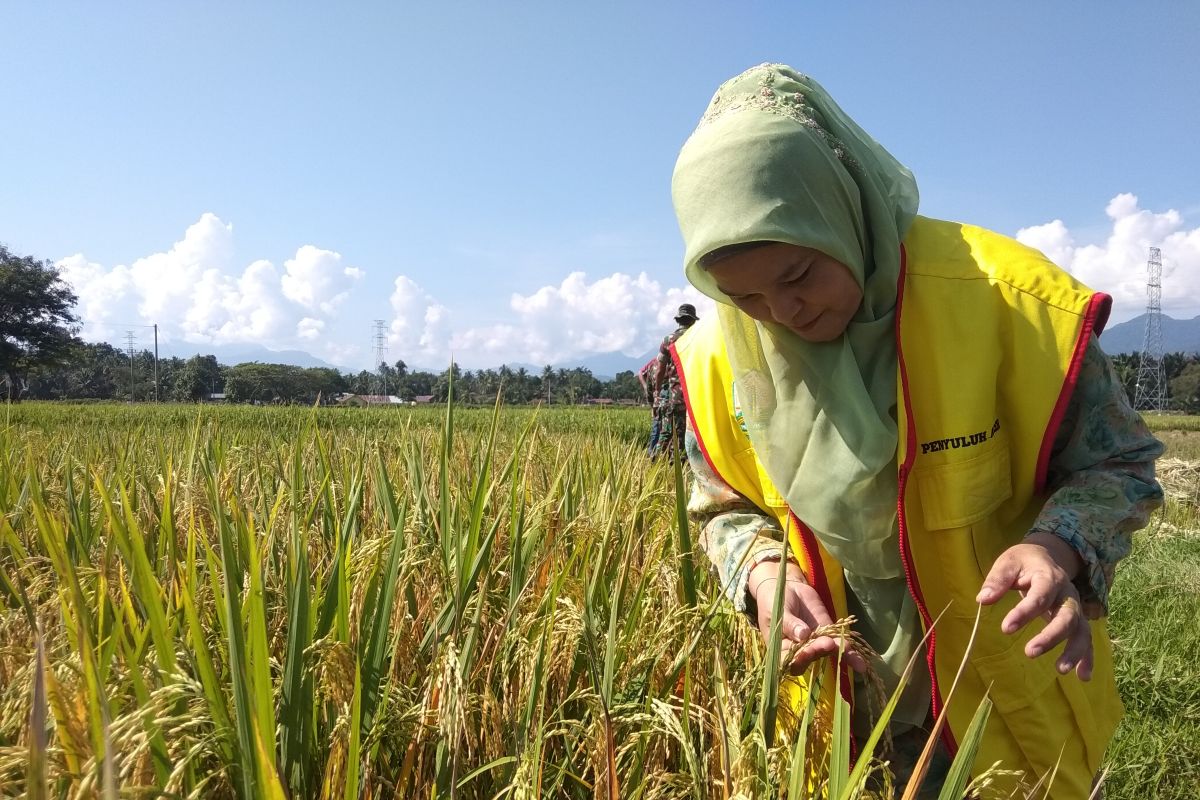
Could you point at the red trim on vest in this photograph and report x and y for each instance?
(1094, 319)
(1103, 304)
(812, 552)
(820, 581)
(910, 572)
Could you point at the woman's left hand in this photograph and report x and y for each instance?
(1042, 569)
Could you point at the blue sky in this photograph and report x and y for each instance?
(284, 174)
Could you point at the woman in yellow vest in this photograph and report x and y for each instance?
(922, 408)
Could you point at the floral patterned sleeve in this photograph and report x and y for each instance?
(1101, 472)
(734, 532)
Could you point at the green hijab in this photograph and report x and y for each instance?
(775, 159)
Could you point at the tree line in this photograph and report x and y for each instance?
(99, 371)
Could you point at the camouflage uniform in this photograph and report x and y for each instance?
(669, 410)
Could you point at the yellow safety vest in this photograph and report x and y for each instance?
(990, 336)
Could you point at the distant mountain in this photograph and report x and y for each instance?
(1178, 335)
(241, 353)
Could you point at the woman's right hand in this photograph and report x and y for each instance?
(803, 613)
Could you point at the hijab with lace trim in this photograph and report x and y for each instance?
(774, 159)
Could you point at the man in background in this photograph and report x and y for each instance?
(669, 410)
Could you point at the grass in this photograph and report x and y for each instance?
(1155, 611)
(1172, 422)
(271, 602)
(1182, 444)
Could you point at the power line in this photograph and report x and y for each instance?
(380, 341)
(129, 342)
(1150, 393)
(156, 362)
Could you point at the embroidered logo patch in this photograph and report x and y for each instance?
(959, 442)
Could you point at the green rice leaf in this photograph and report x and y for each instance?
(959, 774)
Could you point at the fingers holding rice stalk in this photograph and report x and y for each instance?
(826, 641)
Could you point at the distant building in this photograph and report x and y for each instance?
(423, 398)
(598, 401)
(362, 400)
(215, 397)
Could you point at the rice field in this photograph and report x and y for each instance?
(239, 602)
(1172, 422)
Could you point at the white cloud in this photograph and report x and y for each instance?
(164, 281)
(317, 280)
(310, 328)
(1118, 266)
(577, 319)
(419, 325)
(101, 294)
(195, 291)
(198, 293)
(617, 313)
(573, 320)
(225, 309)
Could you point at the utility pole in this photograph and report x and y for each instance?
(1151, 391)
(156, 362)
(129, 339)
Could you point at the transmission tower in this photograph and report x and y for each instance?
(1151, 391)
(129, 341)
(380, 340)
